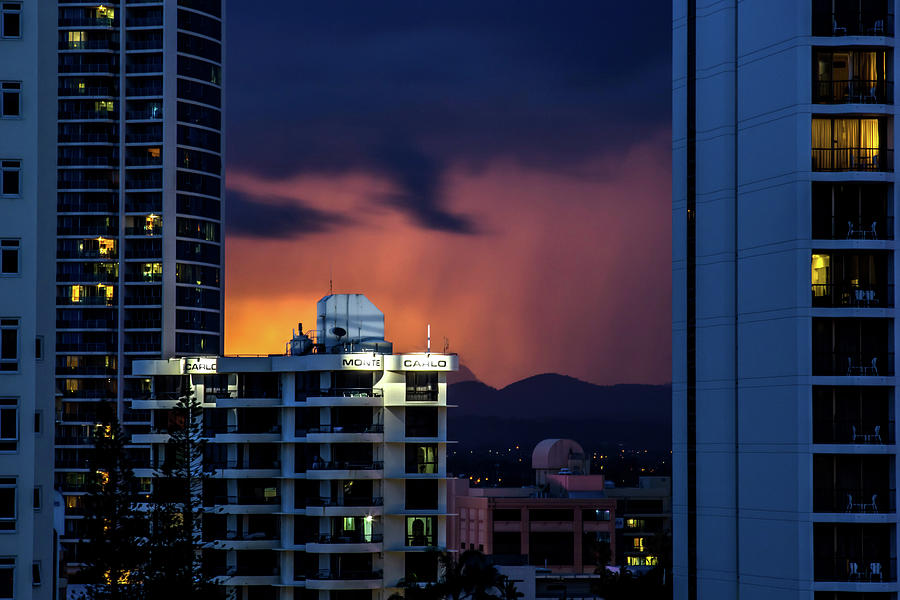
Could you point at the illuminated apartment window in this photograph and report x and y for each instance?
(641, 561)
(104, 106)
(151, 271)
(10, 171)
(9, 257)
(9, 345)
(634, 523)
(9, 424)
(420, 531)
(76, 40)
(153, 225)
(10, 23)
(821, 267)
(422, 458)
(105, 15)
(7, 504)
(10, 96)
(638, 544)
(851, 144)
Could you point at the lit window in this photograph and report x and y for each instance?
(105, 14)
(10, 104)
(11, 25)
(9, 257)
(821, 272)
(7, 505)
(9, 178)
(638, 544)
(104, 106)
(76, 40)
(9, 424)
(153, 225)
(9, 344)
(634, 523)
(420, 531)
(151, 271)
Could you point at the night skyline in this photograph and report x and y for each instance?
(501, 174)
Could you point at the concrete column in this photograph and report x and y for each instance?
(525, 529)
(578, 535)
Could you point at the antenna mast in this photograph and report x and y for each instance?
(429, 338)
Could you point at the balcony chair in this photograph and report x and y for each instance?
(872, 97)
(877, 28)
(874, 230)
(875, 571)
(850, 496)
(854, 571)
(850, 232)
(854, 438)
(873, 505)
(876, 437)
(860, 296)
(873, 370)
(835, 29)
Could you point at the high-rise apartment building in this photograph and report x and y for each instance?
(784, 318)
(329, 476)
(27, 206)
(138, 211)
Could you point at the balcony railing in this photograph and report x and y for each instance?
(852, 22)
(855, 568)
(345, 501)
(352, 393)
(248, 500)
(325, 574)
(360, 538)
(852, 159)
(870, 500)
(850, 295)
(853, 432)
(420, 540)
(864, 364)
(853, 91)
(352, 428)
(837, 228)
(239, 464)
(335, 465)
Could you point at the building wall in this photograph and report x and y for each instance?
(140, 153)
(302, 411)
(743, 449)
(25, 297)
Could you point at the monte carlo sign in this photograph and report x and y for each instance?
(198, 366)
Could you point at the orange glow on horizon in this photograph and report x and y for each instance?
(569, 274)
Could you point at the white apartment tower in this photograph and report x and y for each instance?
(329, 461)
(139, 216)
(27, 228)
(784, 314)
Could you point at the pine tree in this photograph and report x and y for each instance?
(114, 549)
(176, 568)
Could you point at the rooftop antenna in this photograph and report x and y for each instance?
(446, 344)
(330, 278)
(429, 338)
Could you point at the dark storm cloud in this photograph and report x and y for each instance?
(273, 218)
(407, 89)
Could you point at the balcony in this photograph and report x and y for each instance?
(860, 91)
(850, 364)
(852, 159)
(853, 552)
(852, 347)
(836, 18)
(856, 568)
(871, 500)
(852, 211)
(857, 143)
(349, 538)
(346, 501)
(852, 415)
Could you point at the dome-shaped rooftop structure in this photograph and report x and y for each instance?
(555, 453)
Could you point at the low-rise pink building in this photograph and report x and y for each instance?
(564, 523)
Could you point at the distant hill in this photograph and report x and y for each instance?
(553, 405)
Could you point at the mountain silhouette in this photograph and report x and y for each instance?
(552, 405)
